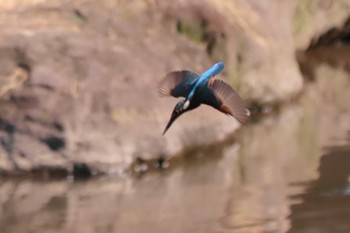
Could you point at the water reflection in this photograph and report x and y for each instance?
(287, 173)
(325, 206)
(272, 156)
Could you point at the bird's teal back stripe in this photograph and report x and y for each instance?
(214, 70)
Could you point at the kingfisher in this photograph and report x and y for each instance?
(202, 89)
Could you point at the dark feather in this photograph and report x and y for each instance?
(177, 83)
(222, 97)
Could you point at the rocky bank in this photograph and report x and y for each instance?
(78, 78)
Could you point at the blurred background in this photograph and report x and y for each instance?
(81, 148)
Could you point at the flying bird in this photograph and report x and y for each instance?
(202, 89)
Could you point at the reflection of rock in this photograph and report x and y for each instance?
(291, 133)
(323, 207)
(280, 153)
(56, 206)
(327, 197)
(189, 194)
(275, 153)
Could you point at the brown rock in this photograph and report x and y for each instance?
(90, 93)
(78, 78)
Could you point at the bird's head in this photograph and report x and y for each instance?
(180, 107)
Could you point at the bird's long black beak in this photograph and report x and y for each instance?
(172, 119)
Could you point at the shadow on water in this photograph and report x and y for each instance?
(325, 205)
(158, 201)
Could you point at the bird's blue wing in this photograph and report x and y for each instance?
(177, 83)
(221, 96)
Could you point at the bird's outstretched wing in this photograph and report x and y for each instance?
(177, 83)
(222, 97)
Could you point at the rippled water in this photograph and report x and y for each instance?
(290, 172)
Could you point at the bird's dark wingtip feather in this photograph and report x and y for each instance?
(163, 87)
(173, 83)
(242, 116)
(231, 102)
